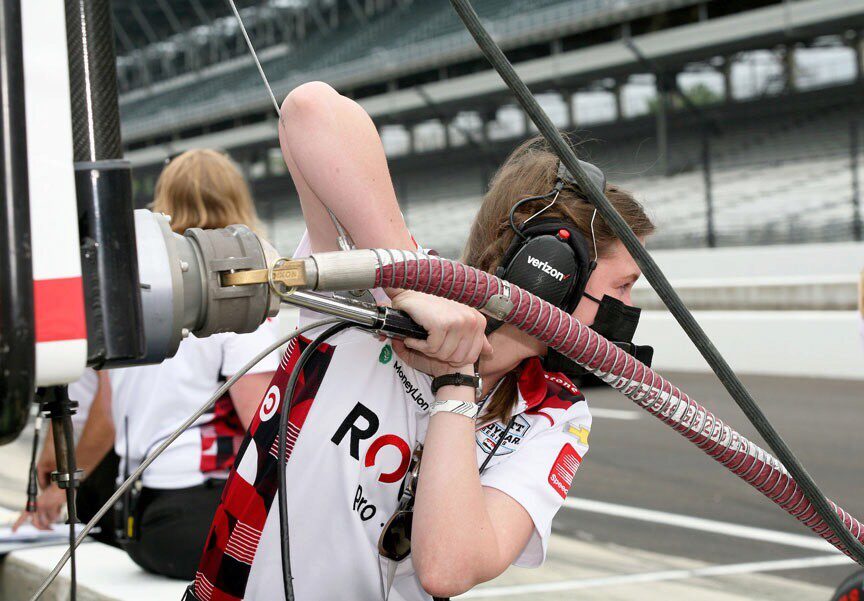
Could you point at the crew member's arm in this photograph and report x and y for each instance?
(246, 394)
(463, 533)
(96, 440)
(337, 161)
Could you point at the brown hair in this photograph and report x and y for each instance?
(530, 170)
(204, 188)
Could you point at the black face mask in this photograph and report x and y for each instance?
(616, 322)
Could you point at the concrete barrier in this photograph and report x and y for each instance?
(823, 344)
(104, 573)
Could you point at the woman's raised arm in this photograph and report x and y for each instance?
(337, 161)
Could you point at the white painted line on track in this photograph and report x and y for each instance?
(614, 413)
(664, 575)
(694, 523)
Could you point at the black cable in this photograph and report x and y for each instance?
(521, 202)
(658, 280)
(71, 509)
(32, 487)
(287, 405)
(498, 444)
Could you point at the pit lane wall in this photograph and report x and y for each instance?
(773, 310)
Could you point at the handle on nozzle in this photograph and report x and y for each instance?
(399, 325)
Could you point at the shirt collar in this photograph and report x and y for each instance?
(532, 386)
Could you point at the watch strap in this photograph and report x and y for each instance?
(455, 379)
(469, 410)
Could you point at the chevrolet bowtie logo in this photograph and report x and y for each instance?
(579, 432)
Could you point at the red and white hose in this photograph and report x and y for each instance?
(563, 332)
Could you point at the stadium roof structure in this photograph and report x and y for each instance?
(141, 23)
(423, 36)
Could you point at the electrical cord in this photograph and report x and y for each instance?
(32, 476)
(168, 441)
(655, 276)
(71, 510)
(287, 405)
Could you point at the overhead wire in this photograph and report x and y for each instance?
(167, 442)
(655, 277)
(342, 236)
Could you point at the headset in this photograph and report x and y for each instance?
(550, 257)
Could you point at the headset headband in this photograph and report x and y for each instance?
(592, 171)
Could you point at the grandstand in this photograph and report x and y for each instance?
(783, 157)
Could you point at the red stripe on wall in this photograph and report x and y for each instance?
(58, 306)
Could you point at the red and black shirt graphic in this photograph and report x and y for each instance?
(543, 391)
(239, 520)
(221, 438)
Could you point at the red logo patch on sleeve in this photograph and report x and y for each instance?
(564, 469)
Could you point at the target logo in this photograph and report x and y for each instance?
(270, 404)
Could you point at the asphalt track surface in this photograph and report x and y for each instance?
(635, 460)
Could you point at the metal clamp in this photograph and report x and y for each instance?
(499, 305)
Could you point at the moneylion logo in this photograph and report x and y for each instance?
(411, 389)
(546, 268)
(386, 354)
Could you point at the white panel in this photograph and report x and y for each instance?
(53, 209)
(53, 212)
(61, 361)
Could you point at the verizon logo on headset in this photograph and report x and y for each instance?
(546, 268)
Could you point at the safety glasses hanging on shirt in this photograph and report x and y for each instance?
(395, 540)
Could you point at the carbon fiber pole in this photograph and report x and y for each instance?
(103, 185)
(93, 81)
(657, 278)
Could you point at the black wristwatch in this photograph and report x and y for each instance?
(458, 379)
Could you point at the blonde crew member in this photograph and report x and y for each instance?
(180, 490)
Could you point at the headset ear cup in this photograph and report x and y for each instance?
(569, 256)
(545, 266)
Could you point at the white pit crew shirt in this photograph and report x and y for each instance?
(156, 399)
(359, 412)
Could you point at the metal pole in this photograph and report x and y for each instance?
(710, 235)
(103, 185)
(856, 182)
(17, 330)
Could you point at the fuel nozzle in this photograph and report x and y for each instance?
(182, 292)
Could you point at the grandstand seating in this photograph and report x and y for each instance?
(774, 180)
(419, 30)
(782, 203)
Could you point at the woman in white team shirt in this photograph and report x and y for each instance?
(362, 404)
(199, 188)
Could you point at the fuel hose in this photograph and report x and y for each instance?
(566, 334)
